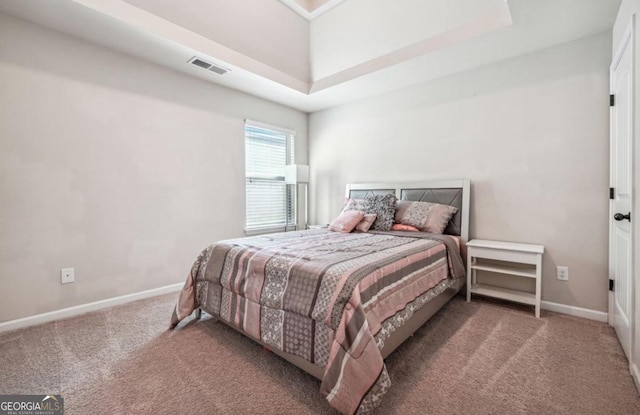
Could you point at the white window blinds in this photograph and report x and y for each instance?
(269, 201)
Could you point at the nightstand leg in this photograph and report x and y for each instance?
(468, 277)
(538, 284)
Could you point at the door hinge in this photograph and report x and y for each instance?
(611, 285)
(612, 100)
(611, 193)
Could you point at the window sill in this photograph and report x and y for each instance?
(270, 229)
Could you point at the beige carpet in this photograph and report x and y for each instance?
(478, 358)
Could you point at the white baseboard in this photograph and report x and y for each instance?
(85, 308)
(110, 302)
(635, 374)
(575, 311)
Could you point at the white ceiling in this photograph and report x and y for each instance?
(344, 47)
(356, 49)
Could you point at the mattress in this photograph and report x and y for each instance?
(329, 298)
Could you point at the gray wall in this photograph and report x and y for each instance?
(103, 170)
(532, 133)
(114, 166)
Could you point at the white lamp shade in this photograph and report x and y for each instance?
(296, 173)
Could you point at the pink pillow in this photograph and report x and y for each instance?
(401, 227)
(366, 222)
(346, 221)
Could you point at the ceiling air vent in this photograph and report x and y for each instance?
(208, 66)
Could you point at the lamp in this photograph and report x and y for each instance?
(296, 174)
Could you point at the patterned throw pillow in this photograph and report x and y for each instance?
(346, 221)
(366, 222)
(384, 206)
(353, 204)
(426, 216)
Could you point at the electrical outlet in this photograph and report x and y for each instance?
(563, 273)
(67, 275)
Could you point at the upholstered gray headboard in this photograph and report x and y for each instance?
(447, 192)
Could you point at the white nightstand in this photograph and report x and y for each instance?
(521, 260)
(317, 226)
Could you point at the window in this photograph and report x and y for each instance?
(269, 201)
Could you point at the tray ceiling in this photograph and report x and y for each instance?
(310, 9)
(355, 49)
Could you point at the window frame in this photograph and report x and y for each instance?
(290, 190)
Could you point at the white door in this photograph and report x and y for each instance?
(620, 268)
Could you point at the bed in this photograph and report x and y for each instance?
(336, 304)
